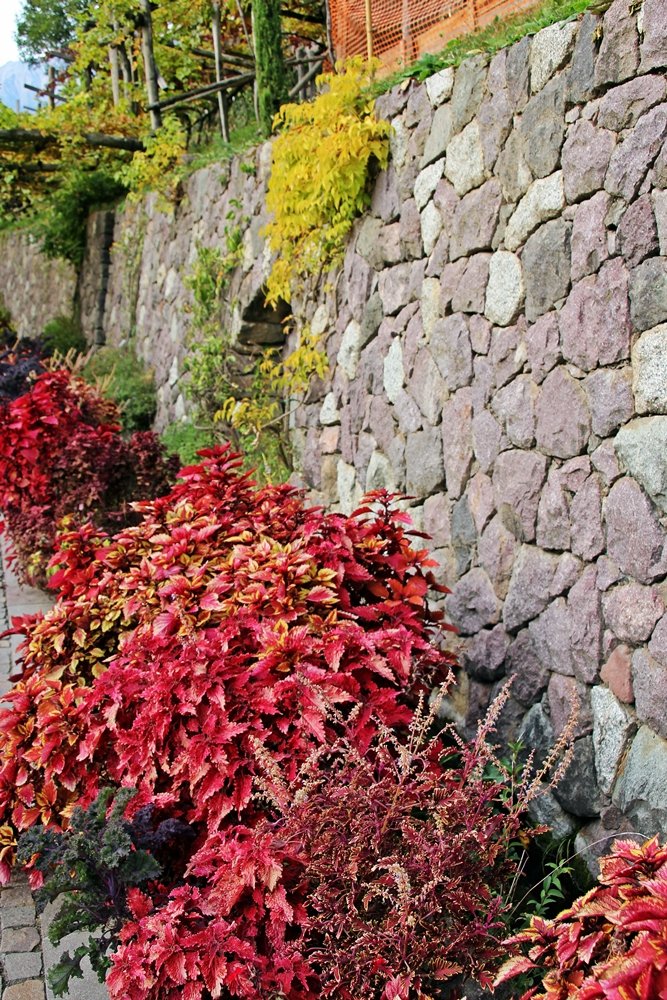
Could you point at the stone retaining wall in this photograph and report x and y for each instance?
(33, 288)
(497, 337)
(147, 300)
(500, 353)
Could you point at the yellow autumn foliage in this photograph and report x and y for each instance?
(319, 181)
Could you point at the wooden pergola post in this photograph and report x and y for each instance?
(217, 49)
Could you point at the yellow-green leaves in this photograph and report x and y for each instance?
(319, 178)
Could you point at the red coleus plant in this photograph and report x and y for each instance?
(378, 873)
(235, 930)
(228, 615)
(61, 453)
(611, 944)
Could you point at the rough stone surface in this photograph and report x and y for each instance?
(450, 346)
(587, 534)
(635, 540)
(543, 127)
(426, 183)
(631, 611)
(595, 320)
(641, 791)
(658, 645)
(546, 809)
(15, 939)
(469, 296)
(424, 466)
(621, 107)
(457, 441)
(536, 733)
(30, 989)
(563, 419)
(654, 31)
(619, 51)
(617, 674)
(474, 220)
(529, 587)
(586, 155)
(514, 405)
(590, 246)
(484, 655)
(517, 479)
(529, 676)
(650, 687)
(581, 74)
(505, 289)
(640, 446)
(464, 165)
(546, 262)
(610, 398)
(549, 50)
(579, 793)
(542, 345)
(631, 159)
(439, 86)
(637, 232)
(21, 966)
(648, 293)
(512, 170)
(613, 728)
(472, 604)
(585, 627)
(496, 550)
(468, 91)
(569, 706)
(543, 200)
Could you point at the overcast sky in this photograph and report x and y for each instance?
(8, 11)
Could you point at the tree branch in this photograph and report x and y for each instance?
(40, 140)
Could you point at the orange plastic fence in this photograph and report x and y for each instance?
(403, 30)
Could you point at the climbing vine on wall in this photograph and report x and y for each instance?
(319, 181)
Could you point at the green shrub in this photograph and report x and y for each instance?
(186, 439)
(62, 226)
(63, 334)
(127, 382)
(5, 317)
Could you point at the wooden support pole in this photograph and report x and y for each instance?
(115, 75)
(208, 91)
(149, 65)
(217, 49)
(369, 30)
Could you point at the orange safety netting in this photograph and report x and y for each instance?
(403, 30)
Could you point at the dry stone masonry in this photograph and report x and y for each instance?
(500, 353)
(497, 338)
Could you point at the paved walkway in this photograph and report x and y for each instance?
(25, 951)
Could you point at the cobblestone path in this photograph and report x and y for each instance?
(25, 951)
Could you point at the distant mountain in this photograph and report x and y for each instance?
(13, 76)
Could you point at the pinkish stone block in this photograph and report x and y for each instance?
(595, 321)
(635, 539)
(650, 687)
(617, 674)
(567, 698)
(589, 236)
(563, 421)
(518, 478)
(631, 611)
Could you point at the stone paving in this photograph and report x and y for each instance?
(25, 951)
